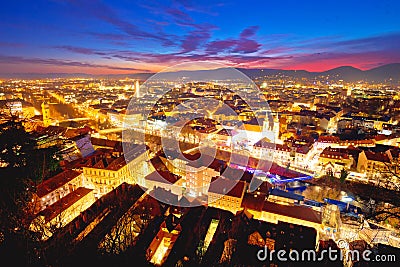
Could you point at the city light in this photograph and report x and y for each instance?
(183, 133)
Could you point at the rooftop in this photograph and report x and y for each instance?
(55, 182)
(328, 139)
(227, 132)
(377, 156)
(253, 201)
(237, 174)
(106, 143)
(299, 212)
(334, 153)
(104, 161)
(162, 176)
(64, 203)
(228, 187)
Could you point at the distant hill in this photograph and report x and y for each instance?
(347, 73)
(385, 72)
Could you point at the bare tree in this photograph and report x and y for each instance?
(127, 229)
(388, 178)
(383, 211)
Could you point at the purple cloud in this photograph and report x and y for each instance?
(246, 46)
(241, 52)
(107, 14)
(382, 42)
(58, 62)
(179, 15)
(385, 42)
(80, 50)
(243, 44)
(194, 39)
(198, 34)
(249, 32)
(174, 58)
(329, 60)
(220, 46)
(187, 5)
(9, 44)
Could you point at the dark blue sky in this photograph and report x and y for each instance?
(135, 36)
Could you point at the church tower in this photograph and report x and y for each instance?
(137, 89)
(46, 114)
(276, 128)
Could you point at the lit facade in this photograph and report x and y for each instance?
(62, 212)
(109, 173)
(56, 187)
(163, 242)
(371, 162)
(226, 194)
(198, 178)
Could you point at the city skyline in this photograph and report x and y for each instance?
(225, 133)
(100, 37)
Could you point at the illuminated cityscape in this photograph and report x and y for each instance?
(216, 155)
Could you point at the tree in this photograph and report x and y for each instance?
(388, 182)
(16, 178)
(16, 189)
(128, 228)
(22, 166)
(47, 163)
(390, 176)
(343, 175)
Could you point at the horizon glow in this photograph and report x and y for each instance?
(123, 37)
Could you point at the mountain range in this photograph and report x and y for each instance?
(384, 73)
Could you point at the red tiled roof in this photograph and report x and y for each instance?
(237, 174)
(377, 156)
(162, 177)
(228, 187)
(101, 161)
(64, 203)
(357, 142)
(88, 161)
(303, 149)
(253, 201)
(264, 165)
(334, 153)
(380, 137)
(299, 212)
(265, 143)
(104, 142)
(117, 164)
(281, 171)
(282, 147)
(55, 182)
(226, 132)
(206, 161)
(73, 132)
(50, 130)
(177, 155)
(328, 139)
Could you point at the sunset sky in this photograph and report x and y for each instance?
(101, 37)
